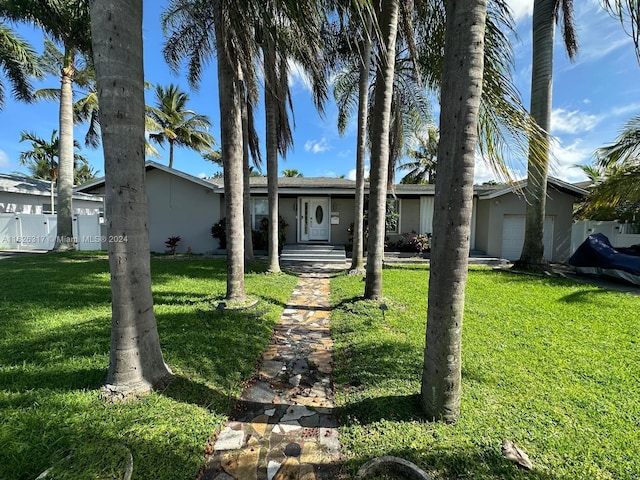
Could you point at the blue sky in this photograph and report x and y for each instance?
(593, 98)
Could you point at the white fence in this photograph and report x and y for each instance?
(619, 234)
(38, 232)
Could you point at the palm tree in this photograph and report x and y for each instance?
(545, 15)
(616, 177)
(231, 94)
(136, 363)
(422, 167)
(366, 46)
(380, 122)
(83, 173)
(189, 24)
(19, 63)
(236, 28)
(66, 21)
(85, 108)
(41, 161)
(177, 125)
(345, 97)
(284, 38)
(291, 173)
(627, 12)
(352, 86)
(460, 99)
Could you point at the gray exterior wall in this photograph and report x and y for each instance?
(491, 213)
(483, 214)
(287, 209)
(344, 207)
(409, 218)
(183, 207)
(178, 207)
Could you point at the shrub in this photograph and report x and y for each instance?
(219, 231)
(414, 242)
(261, 236)
(172, 244)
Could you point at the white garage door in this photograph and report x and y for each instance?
(513, 236)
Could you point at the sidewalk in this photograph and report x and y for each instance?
(284, 425)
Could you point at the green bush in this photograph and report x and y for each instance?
(413, 242)
(261, 236)
(219, 231)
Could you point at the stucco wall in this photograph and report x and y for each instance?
(178, 207)
(345, 209)
(492, 212)
(287, 210)
(483, 213)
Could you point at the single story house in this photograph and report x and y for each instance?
(321, 210)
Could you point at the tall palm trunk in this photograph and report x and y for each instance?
(357, 260)
(246, 174)
(460, 100)
(230, 97)
(544, 22)
(381, 118)
(271, 112)
(170, 154)
(136, 362)
(64, 240)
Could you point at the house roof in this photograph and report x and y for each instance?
(149, 165)
(35, 186)
(299, 185)
(342, 186)
(487, 192)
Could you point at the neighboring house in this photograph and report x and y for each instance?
(20, 194)
(321, 210)
(27, 221)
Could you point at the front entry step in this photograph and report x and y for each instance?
(313, 254)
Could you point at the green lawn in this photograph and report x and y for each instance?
(550, 364)
(54, 352)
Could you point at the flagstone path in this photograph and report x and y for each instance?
(284, 427)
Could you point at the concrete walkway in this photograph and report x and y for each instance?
(284, 425)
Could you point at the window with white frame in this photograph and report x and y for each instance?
(259, 210)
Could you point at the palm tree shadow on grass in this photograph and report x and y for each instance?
(186, 390)
(479, 461)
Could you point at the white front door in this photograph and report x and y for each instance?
(314, 219)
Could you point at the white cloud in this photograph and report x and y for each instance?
(202, 175)
(483, 172)
(352, 173)
(565, 158)
(317, 146)
(575, 121)
(4, 160)
(521, 9)
(625, 110)
(298, 77)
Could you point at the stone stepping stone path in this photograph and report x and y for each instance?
(283, 427)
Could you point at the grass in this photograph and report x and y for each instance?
(54, 353)
(547, 363)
